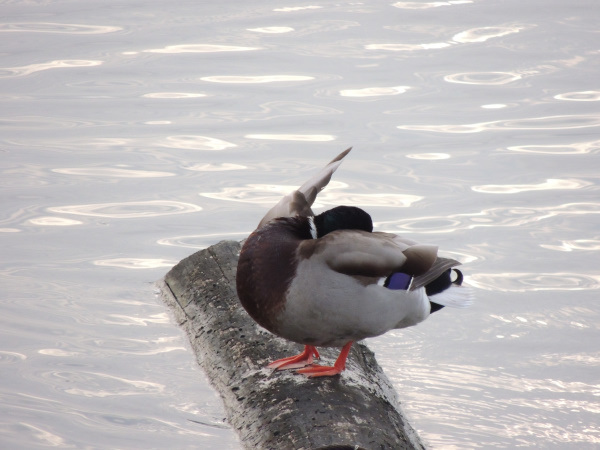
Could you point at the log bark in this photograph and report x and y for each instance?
(281, 409)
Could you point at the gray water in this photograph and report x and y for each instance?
(134, 133)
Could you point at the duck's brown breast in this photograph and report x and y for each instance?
(266, 266)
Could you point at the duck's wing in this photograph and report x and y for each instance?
(361, 254)
(439, 267)
(299, 202)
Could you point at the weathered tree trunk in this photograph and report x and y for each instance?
(278, 410)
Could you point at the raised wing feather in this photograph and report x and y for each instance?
(300, 201)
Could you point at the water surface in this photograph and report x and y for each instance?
(135, 134)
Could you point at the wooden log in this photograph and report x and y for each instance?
(278, 409)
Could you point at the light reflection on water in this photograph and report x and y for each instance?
(293, 137)
(257, 79)
(483, 78)
(535, 123)
(22, 71)
(196, 143)
(51, 27)
(474, 35)
(200, 48)
(268, 194)
(112, 172)
(523, 282)
(493, 217)
(128, 210)
(374, 91)
(136, 263)
(171, 95)
(200, 241)
(54, 221)
(271, 30)
(561, 149)
(483, 127)
(582, 96)
(549, 184)
(574, 245)
(428, 5)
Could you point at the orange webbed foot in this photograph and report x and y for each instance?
(294, 362)
(328, 371)
(320, 371)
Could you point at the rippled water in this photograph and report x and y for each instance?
(134, 134)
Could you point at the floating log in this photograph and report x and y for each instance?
(278, 409)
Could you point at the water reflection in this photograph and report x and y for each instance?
(494, 106)
(528, 282)
(136, 263)
(527, 378)
(374, 91)
(512, 326)
(271, 110)
(58, 352)
(21, 71)
(44, 437)
(172, 95)
(476, 378)
(483, 78)
(559, 149)
(407, 47)
(200, 48)
(549, 184)
(557, 359)
(271, 193)
(200, 241)
(296, 8)
(428, 156)
(484, 33)
(489, 217)
(45, 123)
(293, 137)
(96, 384)
(581, 96)
(122, 319)
(215, 167)
(451, 394)
(271, 30)
(129, 210)
(566, 122)
(473, 35)
(9, 230)
(51, 27)
(54, 222)
(11, 357)
(111, 172)
(429, 5)
(577, 244)
(247, 79)
(193, 142)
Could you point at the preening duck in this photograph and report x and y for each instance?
(330, 280)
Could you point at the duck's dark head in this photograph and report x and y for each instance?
(440, 284)
(343, 218)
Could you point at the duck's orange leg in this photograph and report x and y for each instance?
(327, 371)
(293, 362)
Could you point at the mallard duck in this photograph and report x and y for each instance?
(329, 280)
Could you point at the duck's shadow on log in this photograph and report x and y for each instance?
(278, 410)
